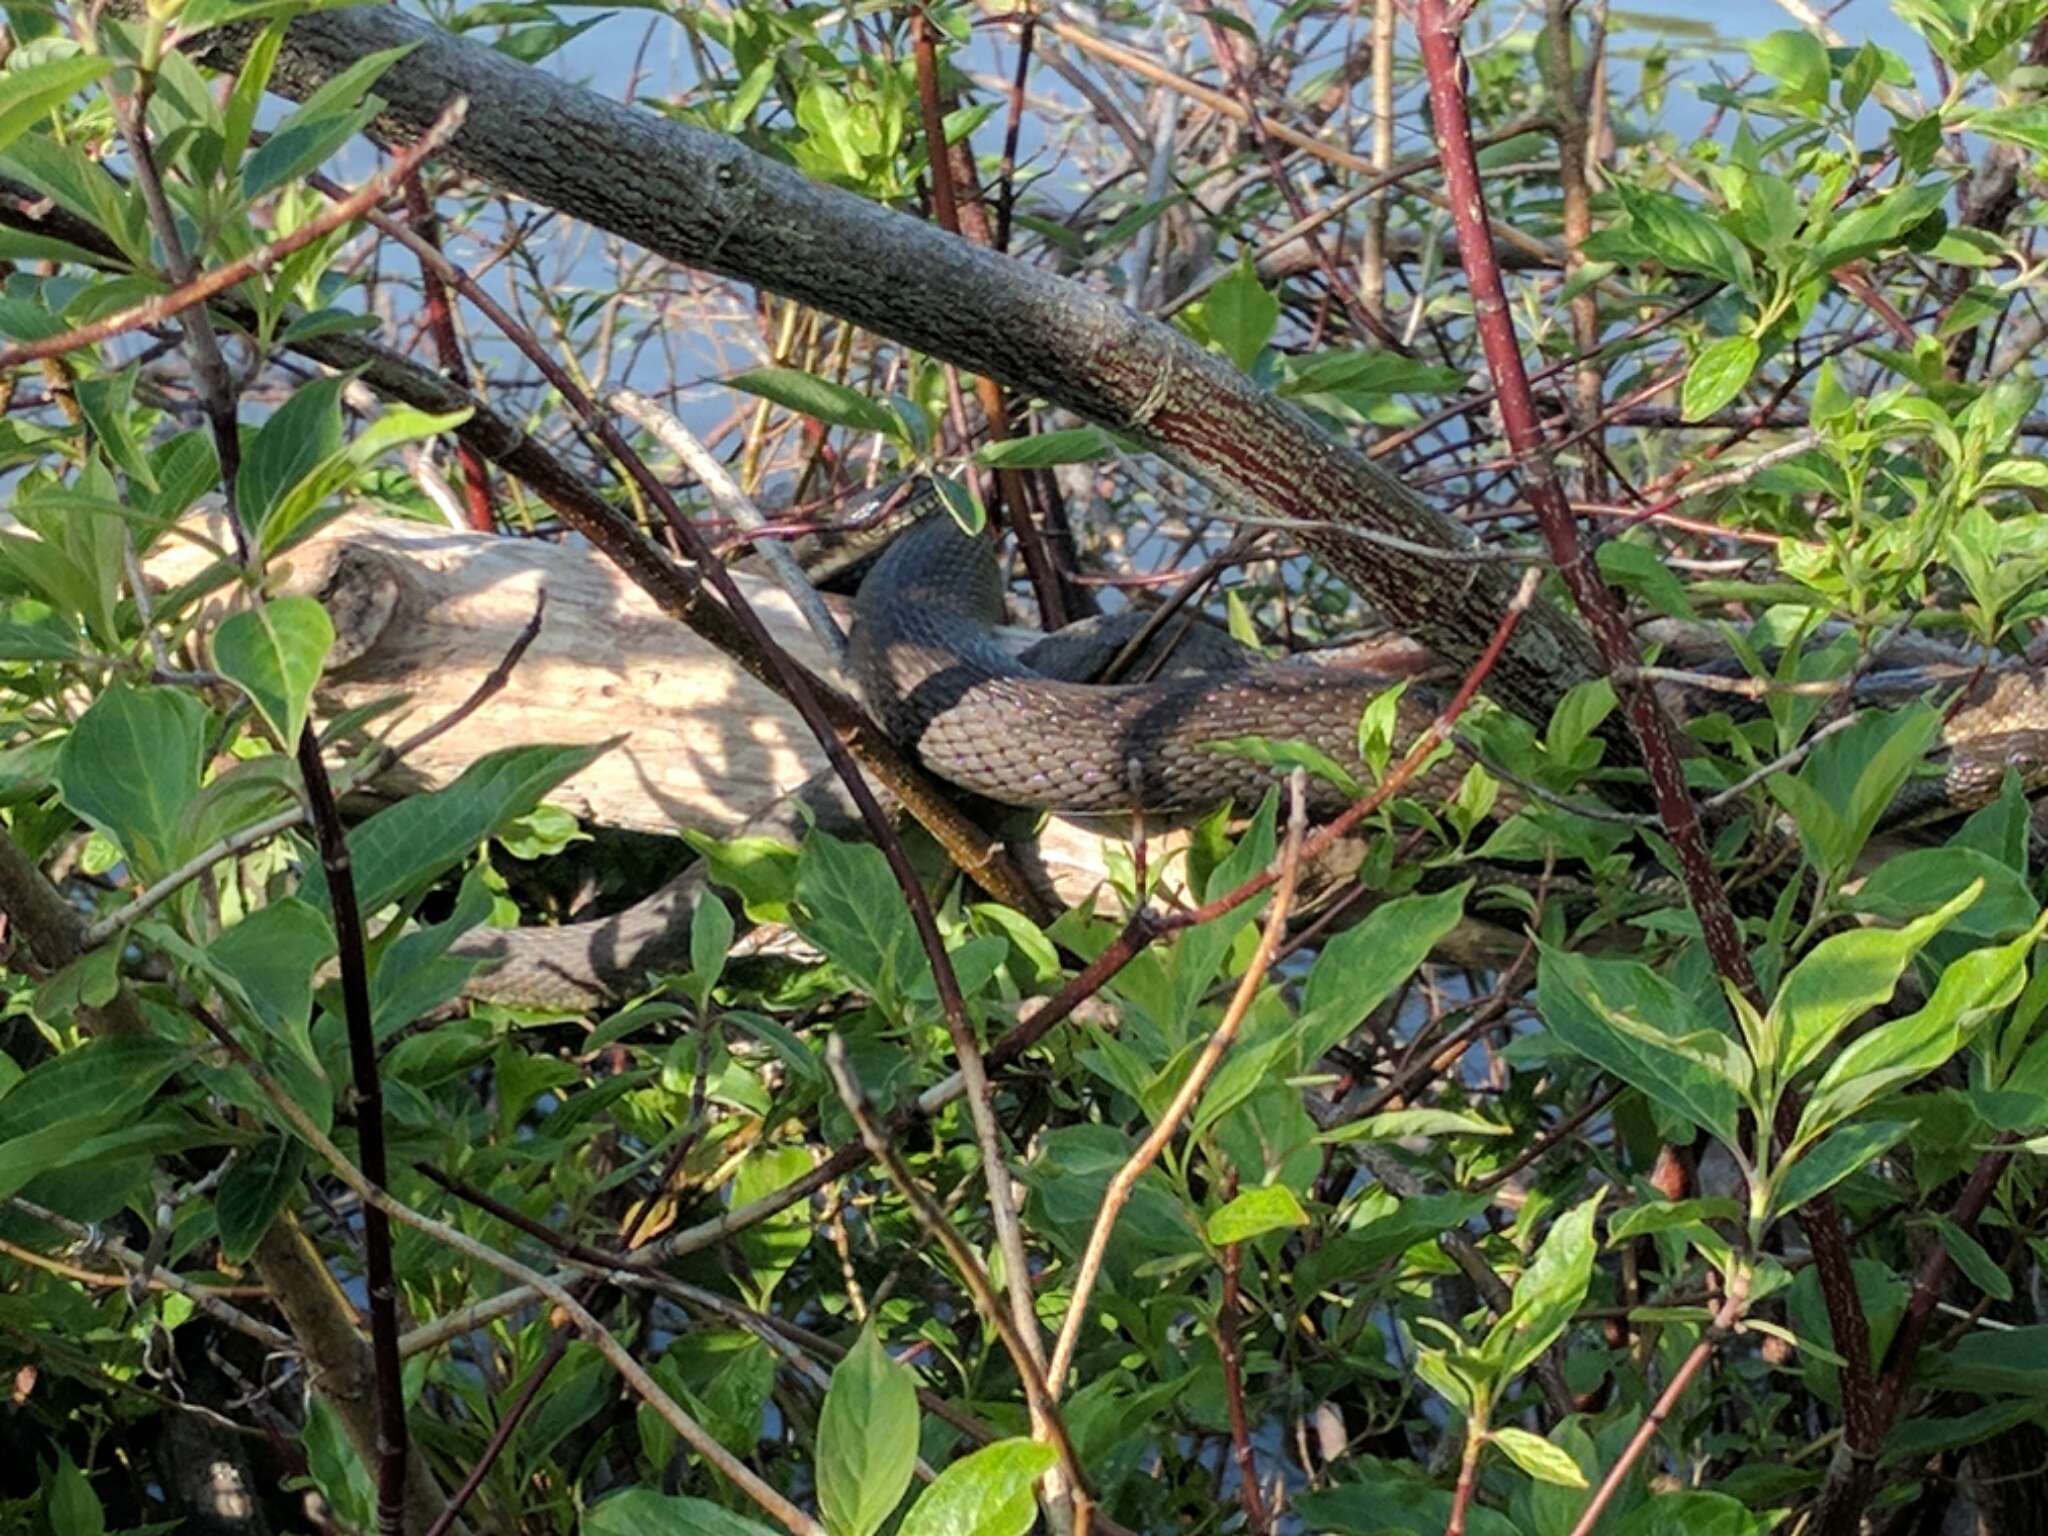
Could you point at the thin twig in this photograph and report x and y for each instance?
(733, 504)
(1255, 1518)
(380, 1278)
(1037, 1390)
(1725, 1319)
(622, 1359)
(209, 1299)
(220, 279)
(1288, 872)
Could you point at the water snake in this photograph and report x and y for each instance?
(1019, 730)
(930, 667)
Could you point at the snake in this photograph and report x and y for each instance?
(1020, 726)
(929, 661)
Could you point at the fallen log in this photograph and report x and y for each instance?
(425, 613)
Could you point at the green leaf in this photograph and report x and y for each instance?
(274, 953)
(50, 573)
(986, 1494)
(1359, 373)
(1970, 990)
(758, 870)
(1290, 754)
(1240, 314)
(1997, 1361)
(1883, 221)
(1633, 1023)
(30, 94)
(772, 1246)
(1718, 375)
(1692, 1512)
(849, 905)
(274, 653)
(303, 434)
(1069, 445)
(73, 1508)
(114, 1075)
(711, 931)
(1851, 779)
(1909, 884)
(1536, 1456)
(108, 1124)
(1978, 1267)
(1796, 58)
(642, 1512)
(1843, 978)
(1549, 1291)
(106, 404)
(1381, 1238)
(247, 95)
(1389, 1505)
(867, 1439)
(831, 135)
(320, 125)
(1360, 968)
(1578, 714)
(416, 974)
(1271, 1208)
(1379, 726)
(131, 766)
(1818, 1170)
(2025, 125)
(961, 503)
(1679, 235)
(407, 844)
(1861, 76)
(1199, 957)
(1641, 572)
(810, 395)
(1398, 1124)
(263, 1179)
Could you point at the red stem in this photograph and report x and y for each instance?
(1646, 718)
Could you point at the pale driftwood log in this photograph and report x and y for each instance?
(692, 741)
(428, 612)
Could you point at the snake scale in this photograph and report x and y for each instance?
(1020, 730)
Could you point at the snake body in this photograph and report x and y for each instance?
(930, 665)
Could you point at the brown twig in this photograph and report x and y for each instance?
(379, 1278)
(1037, 1389)
(480, 505)
(1256, 1519)
(1286, 872)
(1367, 319)
(966, 218)
(1646, 718)
(1468, 1482)
(204, 286)
(1013, 127)
(1725, 1319)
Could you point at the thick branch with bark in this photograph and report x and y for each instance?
(706, 200)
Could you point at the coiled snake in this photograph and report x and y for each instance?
(1021, 731)
(931, 668)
